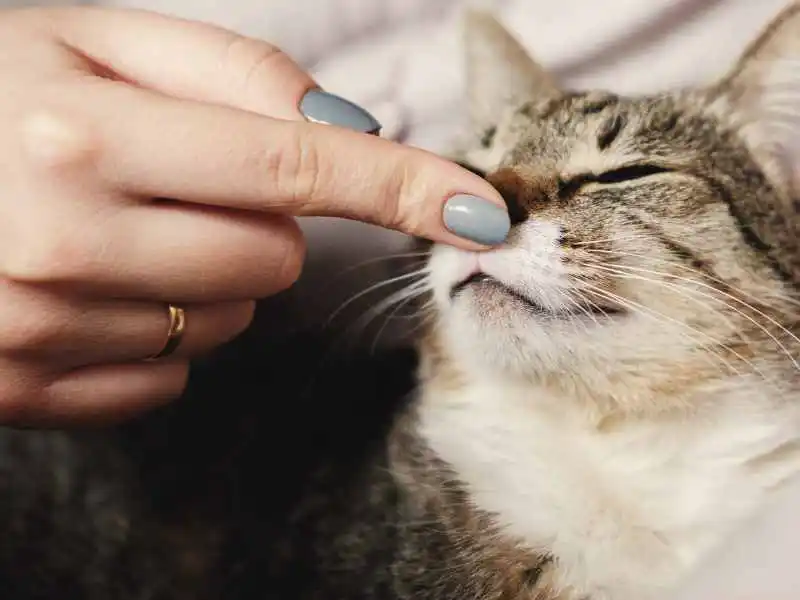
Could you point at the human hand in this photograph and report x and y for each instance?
(107, 113)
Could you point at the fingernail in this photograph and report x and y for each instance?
(322, 107)
(476, 219)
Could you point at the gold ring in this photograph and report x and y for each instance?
(177, 325)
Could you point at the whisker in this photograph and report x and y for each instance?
(615, 270)
(662, 318)
(389, 317)
(425, 317)
(690, 294)
(636, 236)
(769, 380)
(698, 272)
(582, 307)
(686, 293)
(420, 273)
(407, 293)
(380, 259)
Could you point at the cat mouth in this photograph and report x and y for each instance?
(577, 309)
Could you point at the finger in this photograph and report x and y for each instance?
(113, 393)
(78, 332)
(165, 251)
(199, 254)
(189, 59)
(98, 395)
(205, 328)
(241, 160)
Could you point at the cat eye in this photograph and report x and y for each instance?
(628, 173)
(568, 187)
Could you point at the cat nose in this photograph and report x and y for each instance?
(514, 191)
(516, 212)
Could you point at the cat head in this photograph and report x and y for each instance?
(655, 243)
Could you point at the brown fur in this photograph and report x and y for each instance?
(720, 221)
(680, 205)
(268, 495)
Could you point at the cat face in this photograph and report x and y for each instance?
(652, 236)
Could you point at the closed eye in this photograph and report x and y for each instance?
(568, 187)
(628, 173)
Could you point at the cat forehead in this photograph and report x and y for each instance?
(595, 130)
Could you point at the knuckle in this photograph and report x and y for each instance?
(58, 247)
(26, 323)
(53, 140)
(295, 168)
(250, 59)
(401, 189)
(47, 257)
(28, 331)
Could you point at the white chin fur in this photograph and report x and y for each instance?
(627, 511)
(498, 334)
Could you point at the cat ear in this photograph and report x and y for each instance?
(499, 71)
(761, 95)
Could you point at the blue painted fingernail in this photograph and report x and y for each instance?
(476, 219)
(322, 107)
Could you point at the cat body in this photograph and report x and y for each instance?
(624, 508)
(618, 385)
(599, 402)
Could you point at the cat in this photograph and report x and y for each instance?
(618, 386)
(590, 411)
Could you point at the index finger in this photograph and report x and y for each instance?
(187, 59)
(216, 155)
(200, 61)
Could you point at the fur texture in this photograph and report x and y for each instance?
(618, 384)
(599, 402)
